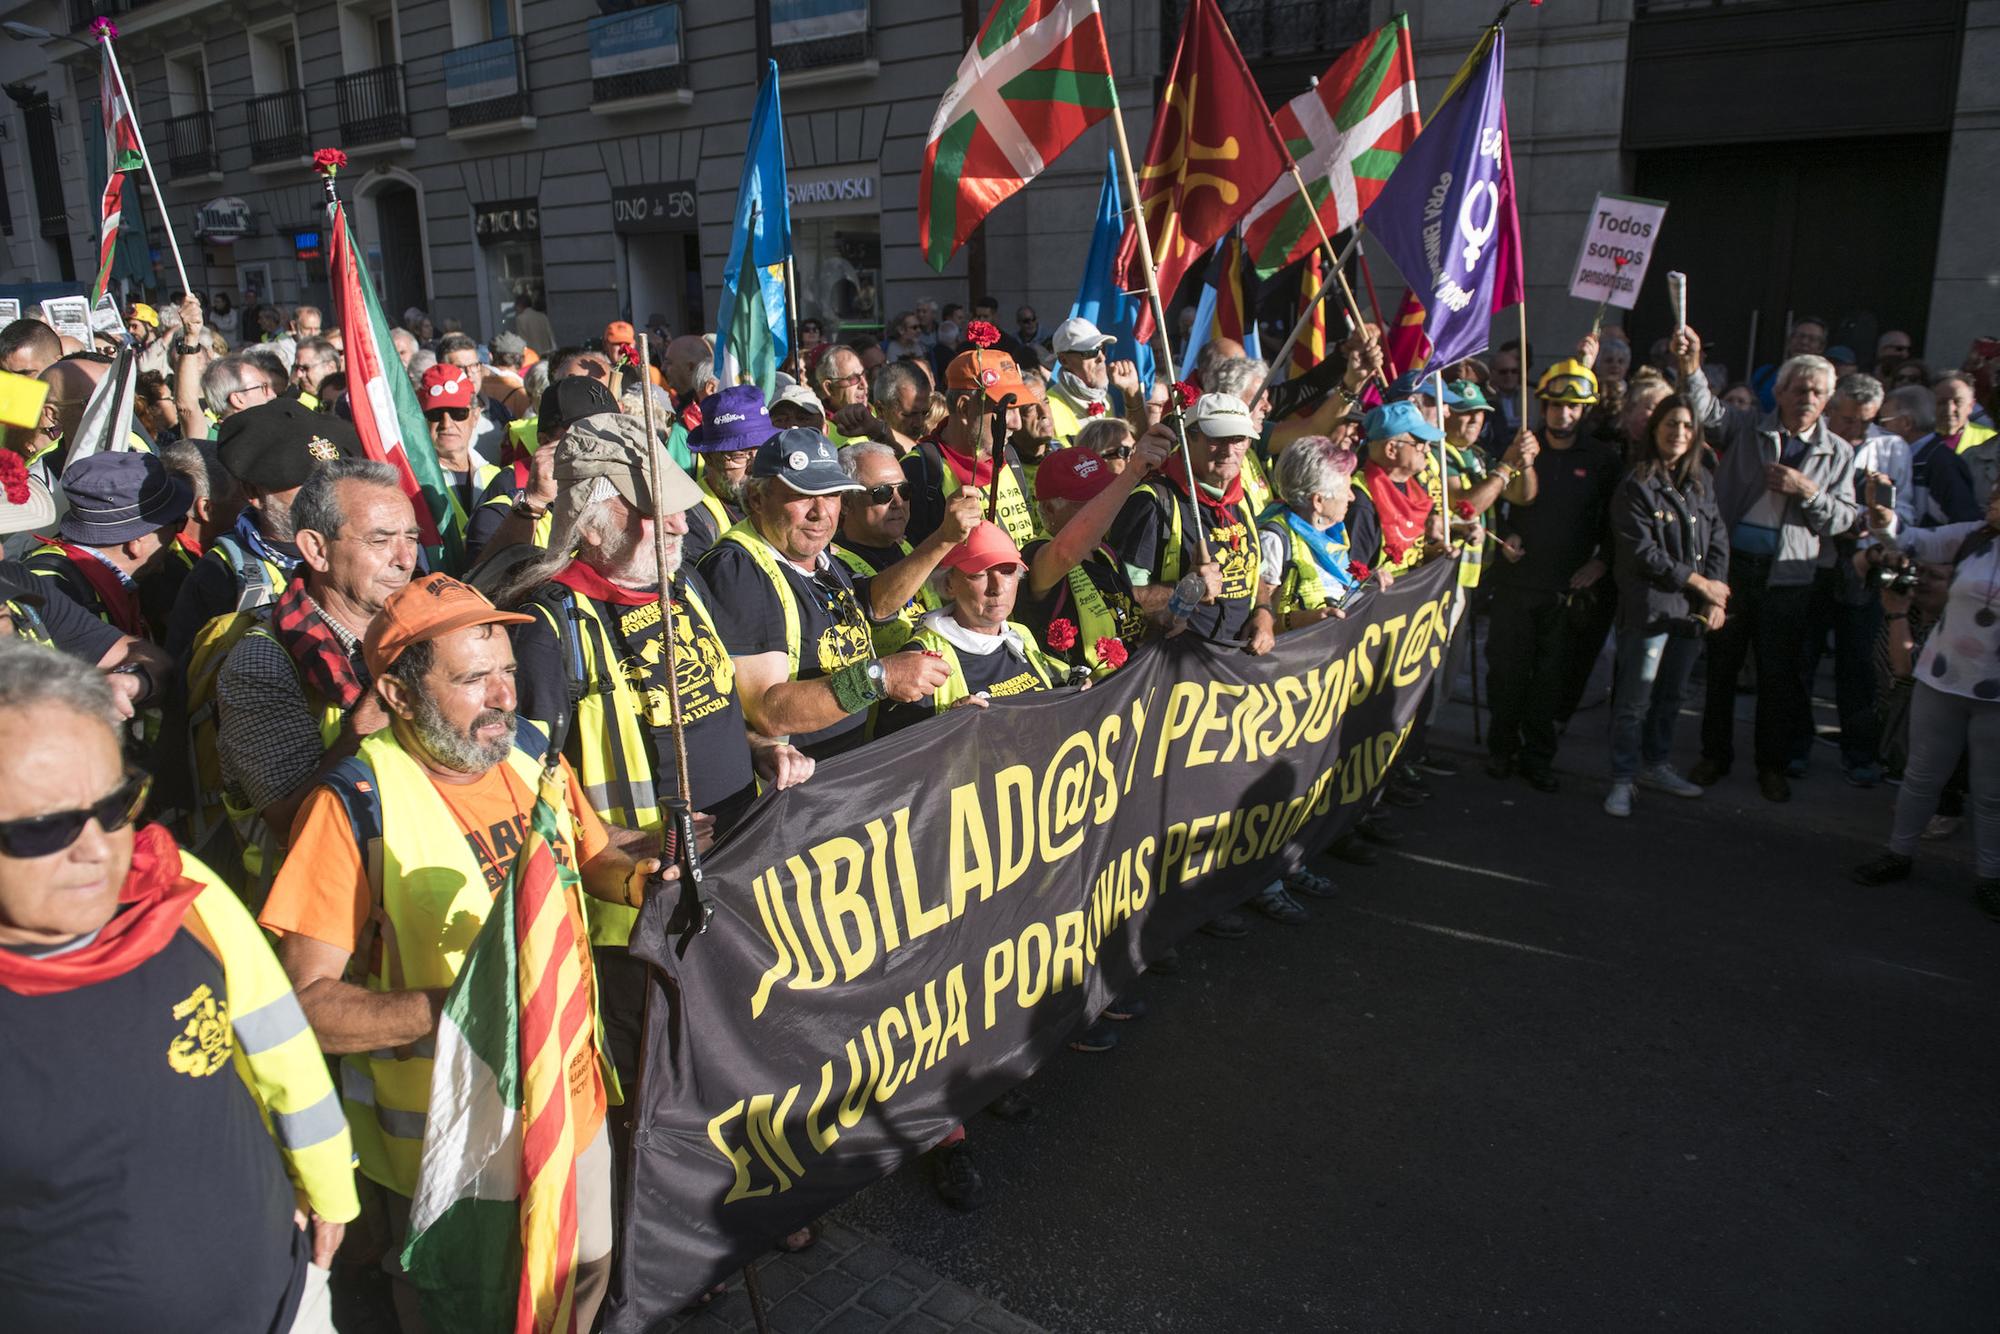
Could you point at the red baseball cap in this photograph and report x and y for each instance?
(1074, 474)
(988, 546)
(445, 387)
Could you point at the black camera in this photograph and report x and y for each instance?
(1898, 577)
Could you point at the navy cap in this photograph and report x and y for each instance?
(804, 460)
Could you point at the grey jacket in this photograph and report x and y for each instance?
(1746, 442)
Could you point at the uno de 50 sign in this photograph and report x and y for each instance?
(665, 206)
(508, 220)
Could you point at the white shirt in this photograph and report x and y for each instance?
(1889, 454)
(1962, 655)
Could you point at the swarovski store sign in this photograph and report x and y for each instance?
(837, 243)
(834, 190)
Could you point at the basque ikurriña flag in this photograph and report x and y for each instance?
(1447, 216)
(752, 337)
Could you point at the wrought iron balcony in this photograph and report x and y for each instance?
(850, 48)
(277, 126)
(190, 145)
(485, 83)
(83, 12)
(373, 106)
(637, 54)
(1281, 29)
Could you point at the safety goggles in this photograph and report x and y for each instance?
(1115, 452)
(1568, 389)
(42, 835)
(888, 491)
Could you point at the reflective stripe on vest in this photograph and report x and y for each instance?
(1171, 560)
(1094, 619)
(891, 635)
(1299, 588)
(28, 624)
(1015, 514)
(766, 558)
(955, 688)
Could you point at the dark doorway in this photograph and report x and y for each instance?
(1844, 230)
(402, 239)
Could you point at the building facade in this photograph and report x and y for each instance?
(587, 155)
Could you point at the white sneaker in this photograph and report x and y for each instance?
(1943, 826)
(1662, 778)
(1619, 803)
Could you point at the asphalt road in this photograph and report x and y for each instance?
(1565, 1073)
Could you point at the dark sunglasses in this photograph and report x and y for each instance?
(883, 494)
(42, 835)
(456, 414)
(1115, 452)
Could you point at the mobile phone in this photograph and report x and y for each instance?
(1885, 495)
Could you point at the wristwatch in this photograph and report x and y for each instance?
(524, 508)
(878, 680)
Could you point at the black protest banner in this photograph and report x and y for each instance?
(916, 929)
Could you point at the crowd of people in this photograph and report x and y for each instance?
(233, 616)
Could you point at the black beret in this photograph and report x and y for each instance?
(276, 445)
(571, 399)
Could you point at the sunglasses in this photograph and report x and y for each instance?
(883, 494)
(1115, 452)
(42, 835)
(456, 414)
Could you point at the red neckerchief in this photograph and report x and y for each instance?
(581, 578)
(155, 899)
(1402, 515)
(121, 604)
(968, 471)
(1223, 513)
(322, 660)
(188, 544)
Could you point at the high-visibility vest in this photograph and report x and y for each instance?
(428, 900)
(1171, 559)
(1015, 514)
(1095, 620)
(610, 749)
(1299, 587)
(891, 635)
(1256, 482)
(766, 558)
(1048, 670)
(28, 623)
(1472, 563)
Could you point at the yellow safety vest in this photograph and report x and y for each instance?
(955, 688)
(613, 757)
(1171, 559)
(1472, 564)
(891, 635)
(766, 558)
(1299, 588)
(1256, 482)
(1015, 514)
(429, 900)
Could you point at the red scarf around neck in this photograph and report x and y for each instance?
(155, 898)
(1223, 512)
(121, 604)
(321, 658)
(581, 578)
(968, 471)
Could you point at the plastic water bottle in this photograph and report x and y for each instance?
(1188, 594)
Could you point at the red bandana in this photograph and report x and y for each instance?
(121, 604)
(155, 899)
(1401, 508)
(581, 578)
(188, 544)
(968, 471)
(301, 627)
(1221, 513)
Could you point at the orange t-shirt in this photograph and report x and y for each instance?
(322, 890)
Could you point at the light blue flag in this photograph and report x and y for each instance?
(751, 335)
(1098, 298)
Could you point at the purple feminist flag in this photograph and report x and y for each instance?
(1447, 214)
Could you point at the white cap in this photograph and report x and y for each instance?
(800, 396)
(1222, 417)
(1077, 334)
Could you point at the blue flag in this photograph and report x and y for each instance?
(1098, 297)
(1447, 216)
(751, 335)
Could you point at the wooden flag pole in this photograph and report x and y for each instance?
(104, 33)
(1326, 243)
(1153, 295)
(1522, 358)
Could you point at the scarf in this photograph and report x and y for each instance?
(246, 532)
(322, 660)
(115, 593)
(970, 472)
(581, 578)
(188, 544)
(1080, 395)
(945, 627)
(1328, 546)
(155, 898)
(1220, 505)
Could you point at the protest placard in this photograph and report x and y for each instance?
(69, 316)
(1618, 244)
(10, 310)
(104, 316)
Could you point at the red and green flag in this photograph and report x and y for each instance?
(1346, 133)
(122, 153)
(1038, 76)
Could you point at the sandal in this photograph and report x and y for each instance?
(1305, 882)
(804, 1239)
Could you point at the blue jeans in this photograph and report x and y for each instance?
(1652, 681)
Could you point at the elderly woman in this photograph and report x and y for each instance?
(1303, 538)
(1110, 438)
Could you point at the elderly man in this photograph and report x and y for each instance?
(292, 697)
(733, 423)
(796, 405)
(124, 510)
(873, 522)
(449, 399)
(156, 1075)
(1392, 521)
(1956, 402)
(457, 351)
(842, 383)
(1785, 484)
(270, 451)
(418, 830)
(898, 411)
(1941, 486)
(1080, 391)
(314, 360)
(960, 456)
(71, 382)
(799, 624)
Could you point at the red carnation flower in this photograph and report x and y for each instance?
(1094, 410)
(1111, 652)
(981, 333)
(327, 161)
(1358, 571)
(104, 28)
(1186, 392)
(1620, 260)
(1465, 509)
(14, 477)
(691, 416)
(1062, 634)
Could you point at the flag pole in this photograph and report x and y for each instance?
(1153, 292)
(1305, 319)
(105, 32)
(1326, 242)
(1522, 358)
(792, 316)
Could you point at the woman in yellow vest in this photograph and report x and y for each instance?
(1302, 540)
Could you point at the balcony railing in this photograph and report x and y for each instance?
(486, 83)
(373, 108)
(1282, 29)
(277, 126)
(83, 12)
(637, 54)
(190, 145)
(846, 49)
(44, 163)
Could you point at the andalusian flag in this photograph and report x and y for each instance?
(1347, 133)
(1038, 77)
(386, 413)
(1310, 350)
(493, 1225)
(753, 337)
(121, 154)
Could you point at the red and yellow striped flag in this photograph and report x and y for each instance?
(1310, 350)
(1405, 347)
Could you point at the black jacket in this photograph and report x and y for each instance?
(1660, 536)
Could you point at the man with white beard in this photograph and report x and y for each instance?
(733, 423)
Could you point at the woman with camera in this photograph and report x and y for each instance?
(1671, 560)
(1955, 705)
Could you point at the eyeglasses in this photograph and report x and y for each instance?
(456, 414)
(886, 492)
(859, 377)
(1115, 452)
(43, 835)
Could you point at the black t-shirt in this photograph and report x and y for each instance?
(926, 471)
(1060, 602)
(496, 505)
(210, 590)
(142, 1190)
(999, 674)
(834, 628)
(74, 630)
(1140, 535)
(1569, 522)
(720, 776)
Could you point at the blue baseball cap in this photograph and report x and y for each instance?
(1420, 384)
(804, 460)
(1399, 418)
(732, 419)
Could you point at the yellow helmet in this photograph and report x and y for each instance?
(1567, 382)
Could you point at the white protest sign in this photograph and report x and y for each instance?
(69, 316)
(10, 309)
(104, 316)
(1618, 243)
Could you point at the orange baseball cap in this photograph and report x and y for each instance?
(991, 371)
(425, 608)
(987, 547)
